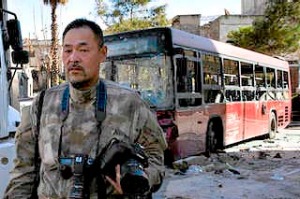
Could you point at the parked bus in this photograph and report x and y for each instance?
(206, 94)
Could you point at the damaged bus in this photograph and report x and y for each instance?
(206, 94)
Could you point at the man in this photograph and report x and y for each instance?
(78, 120)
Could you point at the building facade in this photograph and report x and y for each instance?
(219, 28)
(38, 69)
(253, 7)
(189, 23)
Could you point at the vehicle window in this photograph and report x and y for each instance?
(211, 69)
(188, 82)
(270, 77)
(259, 76)
(279, 79)
(247, 74)
(231, 72)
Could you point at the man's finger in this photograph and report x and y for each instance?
(116, 183)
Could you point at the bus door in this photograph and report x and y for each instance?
(251, 105)
(255, 101)
(260, 112)
(234, 116)
(254, 94)
(188, 99)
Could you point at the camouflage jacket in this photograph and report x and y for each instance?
(127, 118)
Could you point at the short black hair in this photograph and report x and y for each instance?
(81, 22)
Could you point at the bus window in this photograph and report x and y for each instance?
(279, 86)
(188, 82)
(181, 74)
(248, 95)
(259, 76)
(286, 85)
(285, 79)
(231, 72)
(260, 82)
(232, 95)
(247, 74)
(213, 96)
(247, 81)
(212, 78)
(211, 69)
(270, 77)
(149, 76)
(270, 80)
(279, 79)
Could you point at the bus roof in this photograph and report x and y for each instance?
(186, 39)
(189, 40)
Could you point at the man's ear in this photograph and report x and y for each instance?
(103, 53)
(103, 50)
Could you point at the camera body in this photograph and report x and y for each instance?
(78, 167)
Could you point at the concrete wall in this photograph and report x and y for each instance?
(253, 7)
(213, 30)
(229, 23)
(219, 28)
(189, 23)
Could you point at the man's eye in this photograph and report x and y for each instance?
(67, 50)
(83, 50)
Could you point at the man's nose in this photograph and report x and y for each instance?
(74, 56)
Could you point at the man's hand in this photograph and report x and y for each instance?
(116, 183)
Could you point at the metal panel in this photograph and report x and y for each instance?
(7, 155)
(4, 93)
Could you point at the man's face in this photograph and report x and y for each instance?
(82, 57)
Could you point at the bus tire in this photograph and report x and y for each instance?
(211, 138)
(272, 126)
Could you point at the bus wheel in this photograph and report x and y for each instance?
(272, 126)
(211, 139)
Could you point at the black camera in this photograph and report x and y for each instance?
(77, 167)
(132, 160)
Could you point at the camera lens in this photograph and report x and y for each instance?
(66, 171)
(133, 179)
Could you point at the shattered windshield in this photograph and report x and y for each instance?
(150, 76)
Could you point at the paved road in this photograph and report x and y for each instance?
(264, 169)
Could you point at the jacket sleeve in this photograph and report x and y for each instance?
(24, 174)
(153, 140)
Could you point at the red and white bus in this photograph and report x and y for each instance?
(206, 94)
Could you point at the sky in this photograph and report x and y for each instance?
(35, 17)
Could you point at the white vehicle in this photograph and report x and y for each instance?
(10, 41)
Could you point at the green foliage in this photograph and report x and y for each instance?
(243, 37)
(277, 33)
(130, 15)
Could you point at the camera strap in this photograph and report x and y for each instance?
(100, 109)
(101, 97)
(37, 160)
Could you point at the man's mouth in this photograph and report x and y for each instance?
(76, 68)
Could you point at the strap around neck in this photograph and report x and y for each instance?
(101, 97)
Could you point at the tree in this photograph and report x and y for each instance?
(243, 37)
(130, 15)
(54, 71)
(277, 33)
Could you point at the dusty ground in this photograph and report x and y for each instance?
(260, 169)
